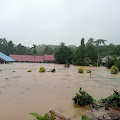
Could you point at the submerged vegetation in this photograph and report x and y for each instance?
(53, 70)
(112, 101)
(67, 64)
(83, 98)
(89, 71)
(114, 69)
(86, 118)
(45, 117)
(80, 70)
(42, 69)
(29, 71)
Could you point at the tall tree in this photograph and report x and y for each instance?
(48, 50)
(34, 50)
(63, 54)
(91, 52)
(79, 57)
(99, 42)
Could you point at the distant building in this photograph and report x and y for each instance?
(49, 59)
(5, 59)
(104, 61)
(32, 58)
(27, 58)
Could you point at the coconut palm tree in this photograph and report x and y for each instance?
(99, 42)
(34, 50)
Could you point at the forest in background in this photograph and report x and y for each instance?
(87, 53)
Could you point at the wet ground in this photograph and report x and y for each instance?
(22, 92)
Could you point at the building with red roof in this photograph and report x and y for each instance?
(49, 59)
(32, 58)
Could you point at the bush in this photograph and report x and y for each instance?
(110, 62)
(117, 64)
(0, 70)
(88, 71)
(29, 71)
(80, 70)
(94, 64)
(67, 64)
(114, 69)
(45, 117)
(112, 101)
(86, 118)
(53, 70)
(42, 69)
(82, 98)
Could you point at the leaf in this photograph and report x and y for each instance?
(36, 115)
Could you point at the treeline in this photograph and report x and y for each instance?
(8, 47)
(87, 53)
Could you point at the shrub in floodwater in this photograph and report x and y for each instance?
(42, 69)
(67, 64)
(82, 98)
(45, 117)
(114, 69)
(0, 70)
(88, 71)
(113, 100)
(80, 70)
(53, 70)
(86, 118)
(29, 71)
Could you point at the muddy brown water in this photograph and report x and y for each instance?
(22, 92)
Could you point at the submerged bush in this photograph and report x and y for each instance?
(82, 98)
(114, 69)
(88, 71)
(29, 71)
(80, 70)
(53, 70)
(67, 64)
(42, 69)
(112, 101)
(45, 117)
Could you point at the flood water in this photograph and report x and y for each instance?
(22, 92)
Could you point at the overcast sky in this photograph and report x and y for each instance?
(54, 21)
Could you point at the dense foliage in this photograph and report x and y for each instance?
(113, 100)
(63, 54)
(82, 98)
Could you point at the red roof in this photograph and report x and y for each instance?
(27, 58)
(49, 58)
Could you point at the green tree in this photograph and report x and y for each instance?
(79, 57)
(99, 42)
(48, 50)
(91, 52)
(63, 54)
(34, 50)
